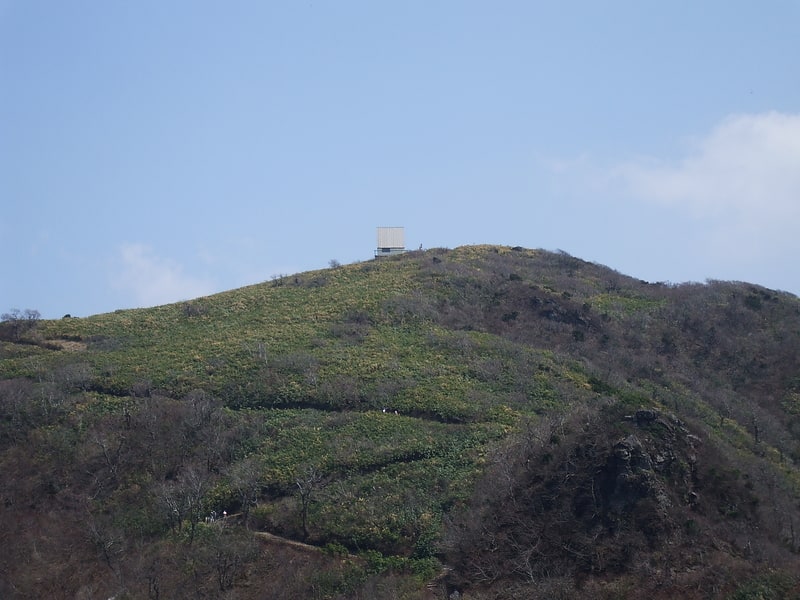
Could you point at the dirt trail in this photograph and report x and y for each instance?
(270, 537)
(432, 585)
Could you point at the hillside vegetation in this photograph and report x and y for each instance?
(482, 422)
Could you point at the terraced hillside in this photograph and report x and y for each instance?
(492, 421)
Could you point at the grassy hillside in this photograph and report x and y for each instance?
(496, 421)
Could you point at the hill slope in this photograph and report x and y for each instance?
(532, 422)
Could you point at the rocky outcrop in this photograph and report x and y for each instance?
(646, 473)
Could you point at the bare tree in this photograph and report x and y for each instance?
(110, 451)
(230, 550)
(308, 483)
(246, 481)
(183, 499)
(16, 322)
(107, 540)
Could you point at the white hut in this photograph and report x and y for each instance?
(390, 241)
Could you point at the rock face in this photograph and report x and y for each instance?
(646, 473)
(628, 476)
(590, 502)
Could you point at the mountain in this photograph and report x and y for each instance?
(481, 422)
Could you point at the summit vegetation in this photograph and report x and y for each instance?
(482, 422)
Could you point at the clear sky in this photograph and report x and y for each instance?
(159, 150)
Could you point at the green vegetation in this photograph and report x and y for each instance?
(496, 421)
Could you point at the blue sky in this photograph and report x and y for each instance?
(160, 150)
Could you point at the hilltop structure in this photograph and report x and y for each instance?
(390, 241)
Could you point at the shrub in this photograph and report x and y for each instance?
(15, 323)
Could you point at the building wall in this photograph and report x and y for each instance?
(391, 237)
